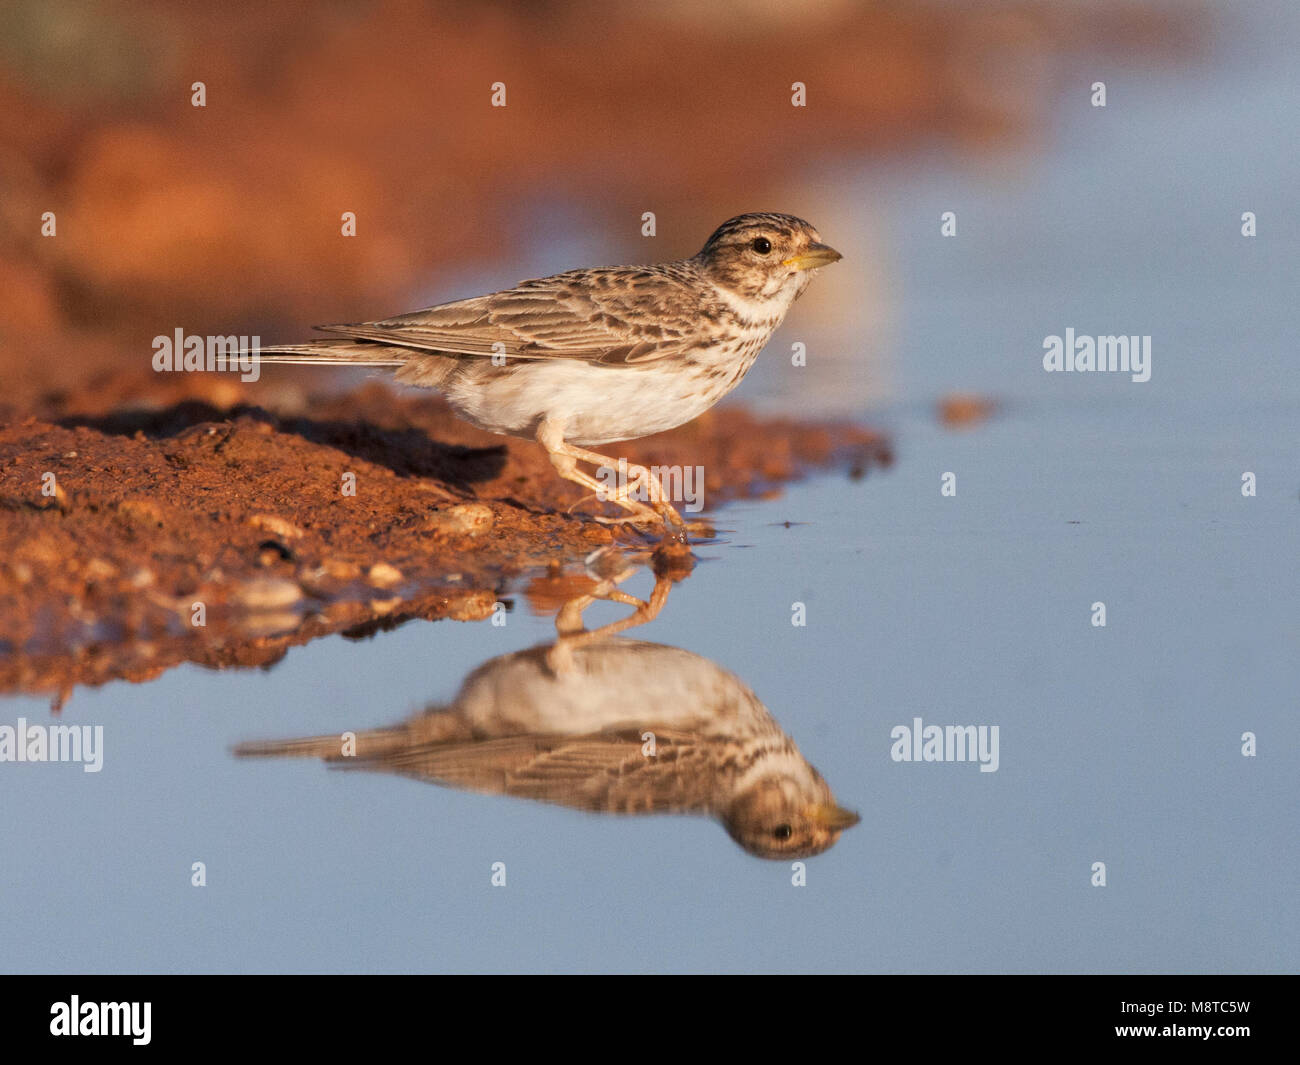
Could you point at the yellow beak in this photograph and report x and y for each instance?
(831, 817)
(816, 255)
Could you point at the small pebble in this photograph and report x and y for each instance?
(274, 524)
(267, 593)
(382, 575)
(464, 519)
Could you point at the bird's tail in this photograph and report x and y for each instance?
(333, 353)
(424, 369)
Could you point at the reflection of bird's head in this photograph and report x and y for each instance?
(781, 817)
(765, 256)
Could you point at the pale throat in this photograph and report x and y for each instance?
(763, 308)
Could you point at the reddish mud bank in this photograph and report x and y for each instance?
(156, 519)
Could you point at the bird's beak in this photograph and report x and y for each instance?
(831, 817)
(814, 256)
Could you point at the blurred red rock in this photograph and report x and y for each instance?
(226, 218)
(962, 410)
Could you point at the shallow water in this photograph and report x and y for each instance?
(1119, 744)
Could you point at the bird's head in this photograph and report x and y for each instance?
(783, 817)
(762, 257)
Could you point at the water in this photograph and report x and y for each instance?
(1119, 744)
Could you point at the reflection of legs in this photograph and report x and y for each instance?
(568, 622)
(565, 458)
(646, 611)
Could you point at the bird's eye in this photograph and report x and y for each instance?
(762, 245)
(783, 832)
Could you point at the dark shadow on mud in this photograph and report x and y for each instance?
(407, 452)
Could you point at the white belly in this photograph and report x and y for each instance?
(596, 404)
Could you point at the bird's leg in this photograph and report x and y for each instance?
(664, 511)
(654, 488)
(565, 458)
(567, 467)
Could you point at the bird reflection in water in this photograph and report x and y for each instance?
(600, 722)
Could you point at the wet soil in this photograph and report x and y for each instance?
(140, 538)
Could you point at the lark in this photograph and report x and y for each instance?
(597, 356)
(599, 722)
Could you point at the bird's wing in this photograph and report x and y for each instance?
(604, 771)
(611, 316)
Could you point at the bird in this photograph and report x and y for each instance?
(597, 356)
(600, 722)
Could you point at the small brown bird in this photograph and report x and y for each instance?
(603, 723)
(592, 357)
